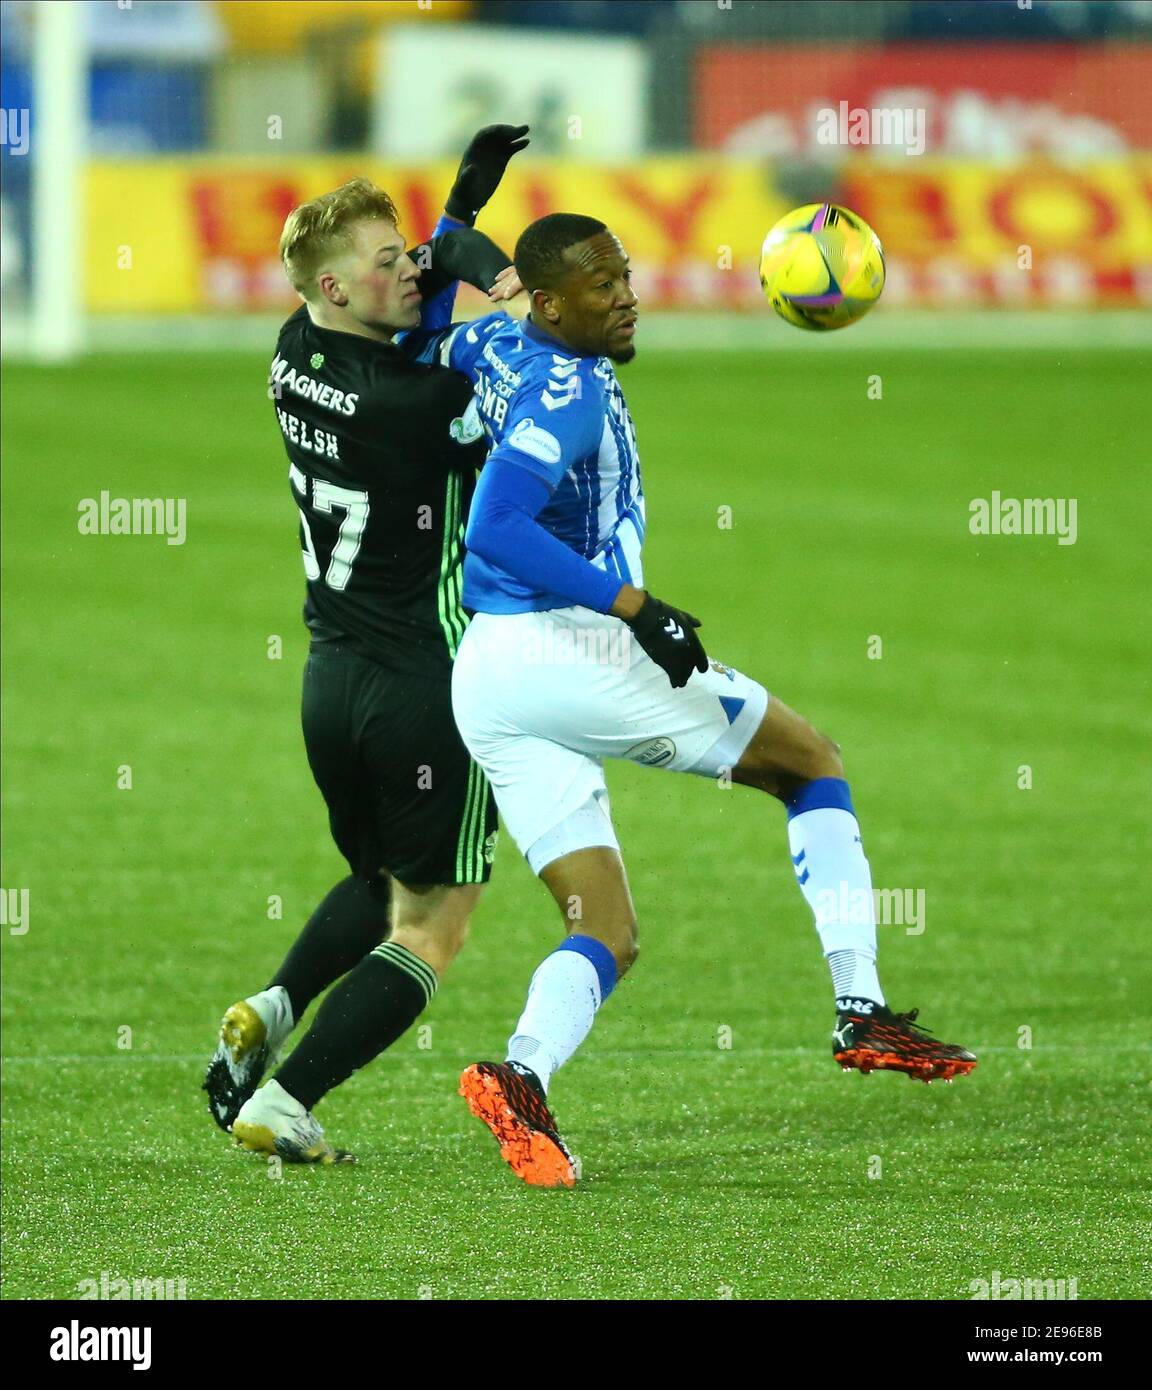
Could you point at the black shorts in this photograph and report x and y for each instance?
(403, 793)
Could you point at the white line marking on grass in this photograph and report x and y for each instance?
(127, 1059)
(758, 330)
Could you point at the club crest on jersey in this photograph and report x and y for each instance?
(316, 361)
(723, 670)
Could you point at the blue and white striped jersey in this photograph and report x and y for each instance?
(564, 419)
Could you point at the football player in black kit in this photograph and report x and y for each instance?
(383, 449)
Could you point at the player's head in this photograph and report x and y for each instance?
(577, 275)
(346, 259)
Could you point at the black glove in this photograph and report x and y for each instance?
(482, 168)
(668, 635)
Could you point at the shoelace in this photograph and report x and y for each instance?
(913, 1033)
(924, 1036)
(910, 1018)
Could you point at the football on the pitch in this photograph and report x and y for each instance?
(822, 267)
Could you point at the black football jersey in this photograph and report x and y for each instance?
(383, 449)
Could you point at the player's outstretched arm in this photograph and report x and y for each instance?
(482, 168)
(464, 254)
(477, 178)
(503, 530)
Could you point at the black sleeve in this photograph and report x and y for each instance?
(464, 254)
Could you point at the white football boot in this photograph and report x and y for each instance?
(252, 1033)
(273, 1122)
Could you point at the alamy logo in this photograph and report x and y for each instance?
(76, 1343)
(902, 126)
(886, 907)
(14, 910)
(1010, 1289)
(109, 1286)
(133, 516)
(1024, 516)
(559, 644)
(14, 126)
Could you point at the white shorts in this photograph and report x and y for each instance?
(541, 699)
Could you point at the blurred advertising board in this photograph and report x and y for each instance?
(584, 95)
(980, 101)
(200, 235)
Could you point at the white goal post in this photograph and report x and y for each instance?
(58, 144)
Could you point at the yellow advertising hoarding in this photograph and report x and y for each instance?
(200, 235)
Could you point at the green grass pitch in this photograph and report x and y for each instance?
(755, 1170)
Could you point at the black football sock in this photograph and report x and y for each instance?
(364, 1014)
(344, 928)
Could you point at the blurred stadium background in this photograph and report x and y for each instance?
(725, 1156)
(175, 136)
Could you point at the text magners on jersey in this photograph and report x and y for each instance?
(383, 449)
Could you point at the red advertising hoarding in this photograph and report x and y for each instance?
(979, 101)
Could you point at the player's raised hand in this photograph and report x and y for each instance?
(482, 168)
(668, 635)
